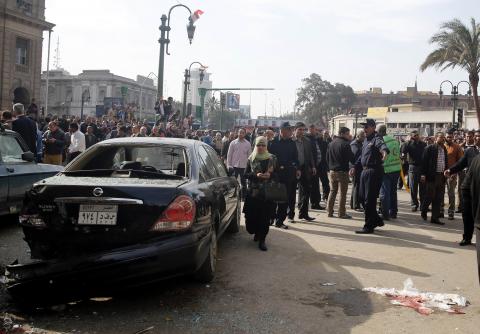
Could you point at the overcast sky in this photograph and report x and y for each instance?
(260, 43)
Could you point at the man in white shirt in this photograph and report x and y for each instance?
(77, 142)
(237, 157)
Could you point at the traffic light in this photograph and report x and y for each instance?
(460, 116)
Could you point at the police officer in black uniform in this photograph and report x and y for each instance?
(374, 152)
(285, 149)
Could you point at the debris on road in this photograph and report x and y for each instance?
(422, 302)
(328, 284)
(144, 330)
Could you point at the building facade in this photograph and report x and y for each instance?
(403, 121)
(95, 90)
(22, 25)
(193, 97)
(424, 99)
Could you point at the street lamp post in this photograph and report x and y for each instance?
(454, 94)
(85, 97)
(186, 84)
(164, 41)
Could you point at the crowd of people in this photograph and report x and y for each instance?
(307, 159)
(375, 163)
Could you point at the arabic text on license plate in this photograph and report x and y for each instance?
(97, 214)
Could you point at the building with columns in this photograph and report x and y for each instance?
(22, 25)
(95, 90)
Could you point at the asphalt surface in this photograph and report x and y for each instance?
(283, 290)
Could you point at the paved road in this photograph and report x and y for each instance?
(281, 291)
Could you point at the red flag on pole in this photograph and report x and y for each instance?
(196, 15)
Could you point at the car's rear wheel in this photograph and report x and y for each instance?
(206, 273)
(234, 226)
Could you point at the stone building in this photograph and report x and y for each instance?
(22, 25)
(96, 90)
(426, 100)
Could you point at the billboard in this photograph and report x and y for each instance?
(233, 101)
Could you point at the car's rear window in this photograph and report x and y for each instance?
(167, 159)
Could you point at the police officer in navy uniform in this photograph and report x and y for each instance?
(374, 152)
(285, 150)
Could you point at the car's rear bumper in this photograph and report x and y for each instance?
(109, 271)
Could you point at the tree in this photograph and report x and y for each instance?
(318, 100)
(458, 45)
(216, 117)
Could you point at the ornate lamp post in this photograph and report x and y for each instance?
(454, 94)
(186, 84)
(164, 41)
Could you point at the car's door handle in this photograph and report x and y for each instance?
(10, 170)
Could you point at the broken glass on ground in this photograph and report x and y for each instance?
(423, 302)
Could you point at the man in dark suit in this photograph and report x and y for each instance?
(434, 164)
(25, 127)
(471, 196)
(315, 195)
(307, 167)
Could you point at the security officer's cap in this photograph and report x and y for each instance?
(369, 122)
(285, 125)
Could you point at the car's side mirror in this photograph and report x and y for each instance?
(28, 156)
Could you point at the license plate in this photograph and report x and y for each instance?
(97, 214)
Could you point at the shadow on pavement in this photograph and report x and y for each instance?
(382, 237)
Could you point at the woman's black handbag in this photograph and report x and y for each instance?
(275, 192)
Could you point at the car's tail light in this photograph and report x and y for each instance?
(33, 220)
(179, 215)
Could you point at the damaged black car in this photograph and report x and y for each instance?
(126, 212)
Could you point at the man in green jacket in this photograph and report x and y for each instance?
(391, 166)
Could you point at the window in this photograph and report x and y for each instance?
(207, 167)
(167, 159)
(10, 149)
(22, 51)
(25, 6)
(222, 172)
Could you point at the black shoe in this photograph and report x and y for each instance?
(465, 242)
(450, 217)
(414, 209)
(255, 238)
(364, 231)
(359, 210)
(262, 246)
(380, 223)
(345, 216)
(424, 215)
(459, 211)
(308, 218)
(291, 221)
(285, 227)
(318, 207)
(393, 216)
(437, 222)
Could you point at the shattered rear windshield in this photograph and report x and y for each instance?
(166, 159)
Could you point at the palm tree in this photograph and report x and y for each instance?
(458, 45)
